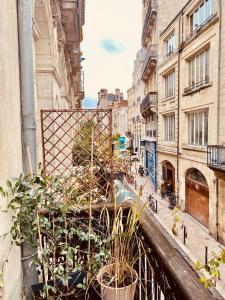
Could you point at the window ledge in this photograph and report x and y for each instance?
(168, 98)
(204, 26)
(196, 89)
(194, 148)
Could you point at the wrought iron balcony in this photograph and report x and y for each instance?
(216, 157)
(200, 28)
(149, 21)
(149, 62)
(149, 103)
(195, 86)
(163, 271)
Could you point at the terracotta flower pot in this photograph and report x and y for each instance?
(117, 293)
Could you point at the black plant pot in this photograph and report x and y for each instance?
(172, 202)
(75, 279)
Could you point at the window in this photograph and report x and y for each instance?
(200, 15)
(170, 85)
(170, 44)
(198, 128)
(199, 69)
(170, 127)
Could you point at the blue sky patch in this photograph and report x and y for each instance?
(89, 102)
(112, 46)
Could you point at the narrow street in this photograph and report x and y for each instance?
(93, 95)
(197, 238)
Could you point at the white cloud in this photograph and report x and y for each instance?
(120, 22)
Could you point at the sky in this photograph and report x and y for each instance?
(112, 37)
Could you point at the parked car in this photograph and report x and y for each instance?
(134, 156)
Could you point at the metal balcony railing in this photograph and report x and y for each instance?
(216, 157)
(200, 28)
(163, 271)
(149, 62)
(149, 20)
(148, 103)
(196, 85)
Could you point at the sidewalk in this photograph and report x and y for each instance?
(197, 235)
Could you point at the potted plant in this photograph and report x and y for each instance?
(45, 215)
(118, 279)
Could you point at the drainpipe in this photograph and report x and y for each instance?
(178, 104)
(218, 114)
(25, 11)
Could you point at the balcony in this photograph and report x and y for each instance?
(149, 62)
(216, 158)
(149, 22)
(163, 272)
(196, 86)
(149, 103)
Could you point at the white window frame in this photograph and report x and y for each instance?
(200, 15)
(169, 126)
(170, 81)
(198, 128)
(170, 44)
(199, 68)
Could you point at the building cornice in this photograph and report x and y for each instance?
(53, 72)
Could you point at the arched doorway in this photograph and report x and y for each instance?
(168, 175)
(197, 196)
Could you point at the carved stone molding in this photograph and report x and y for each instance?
(55, 12)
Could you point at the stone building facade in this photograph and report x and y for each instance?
(188, 116)
(105, 99)
(156, 15)
(119, 106)
(119, 120)
(136, 121)
(57, 34)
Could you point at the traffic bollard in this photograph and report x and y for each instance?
(185, 234)
(206, 255)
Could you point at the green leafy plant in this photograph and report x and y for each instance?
(45, 214)
(123, 239)
(212, 268)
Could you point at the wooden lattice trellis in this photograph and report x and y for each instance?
(73, 141)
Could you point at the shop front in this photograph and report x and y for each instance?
(150, 162)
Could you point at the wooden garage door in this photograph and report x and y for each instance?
(197, 197)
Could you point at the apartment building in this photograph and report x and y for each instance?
(119, 121)
(40, 69)
(119, 106)
(189, 85)
(129, 134)
(135, 94)
(156, 15)
(105, 99)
